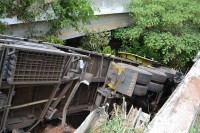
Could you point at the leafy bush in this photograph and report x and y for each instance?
(97, 41)
(60, 13)
(51, 39)
(68, 13)
(169, 28)
(108, 50)
(196, 125)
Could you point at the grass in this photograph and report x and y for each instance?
(196, 126)
(121, 122)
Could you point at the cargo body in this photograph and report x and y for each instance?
(39, 80)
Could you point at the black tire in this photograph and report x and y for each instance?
(155, 87)
(144, 77)
(140, 90)
(157, 76)
(179, 74)
(169, 72)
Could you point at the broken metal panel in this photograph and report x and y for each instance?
(178, 113)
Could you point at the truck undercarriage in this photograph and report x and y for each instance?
(42, 81)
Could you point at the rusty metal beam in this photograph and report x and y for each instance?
(6, 111)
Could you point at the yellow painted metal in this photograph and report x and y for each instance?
(119, 70)
(137, 58)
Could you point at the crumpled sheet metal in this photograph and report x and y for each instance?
(91, 120)
(178, 113)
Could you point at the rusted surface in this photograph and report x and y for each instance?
(178, 113)
(57, 129)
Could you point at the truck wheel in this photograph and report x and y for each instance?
(144, 77)
(157, 76)
(169, 72)
(155, 87)
(140, 90)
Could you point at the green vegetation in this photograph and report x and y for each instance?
(68, 13)
(120, 122)
(50, 39)
(167, 30)
(97, 41)
(60, 13)
(196, 126)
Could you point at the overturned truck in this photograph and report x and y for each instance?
(40, 81)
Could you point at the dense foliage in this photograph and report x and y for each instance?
(134, 45)
(61, 13)
(97, 41)
(50, 38)
(165, 29)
